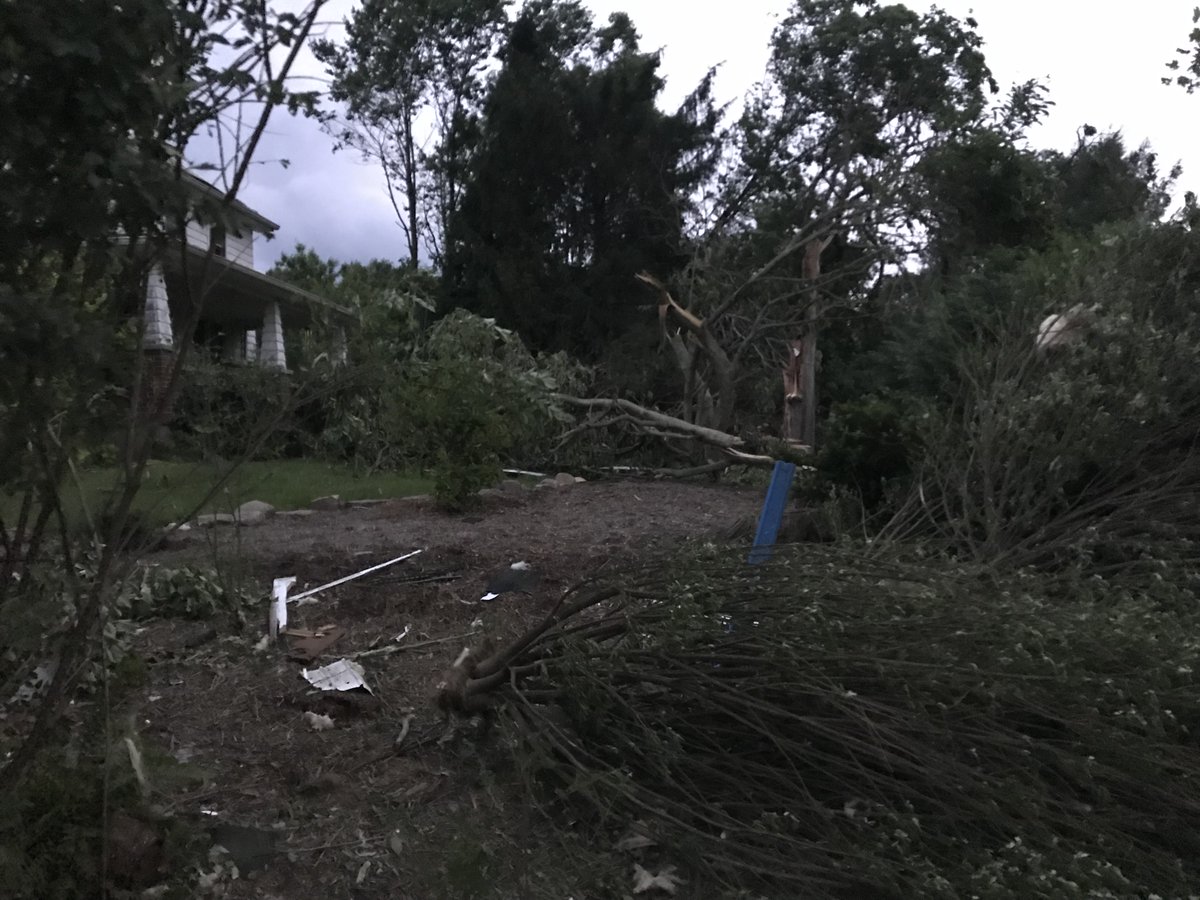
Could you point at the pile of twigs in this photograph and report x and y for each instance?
(842, 724)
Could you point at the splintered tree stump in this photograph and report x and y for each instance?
(800, 373)
(793, 395)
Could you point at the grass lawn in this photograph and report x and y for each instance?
(172, 490)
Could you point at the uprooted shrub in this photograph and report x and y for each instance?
(848, 723)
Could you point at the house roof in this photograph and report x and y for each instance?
(237, 296)
(237, 206)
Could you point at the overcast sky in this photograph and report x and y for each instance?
(1102, 68)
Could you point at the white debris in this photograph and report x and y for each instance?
(343, 675)
(665, 880)
(277, 619)
(318, 722)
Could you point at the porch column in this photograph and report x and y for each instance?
(271, 353)
(158, 334)
(158, 344)
(250, 353)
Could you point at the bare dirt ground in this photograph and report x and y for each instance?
(336, 813)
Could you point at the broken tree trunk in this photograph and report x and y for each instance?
(800, 373)
(793, 395)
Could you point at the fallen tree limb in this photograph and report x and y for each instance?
(649, 416)
(658, 424)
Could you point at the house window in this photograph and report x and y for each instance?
(217, 242)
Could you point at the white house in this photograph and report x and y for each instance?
(248, 311)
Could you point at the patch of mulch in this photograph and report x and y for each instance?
(352, 817)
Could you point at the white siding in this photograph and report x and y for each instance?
(197, 235)
(240, 247)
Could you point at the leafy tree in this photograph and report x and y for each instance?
(1101, 183)
(986, 192)
(403, 62)
(823, 180)
(102, 102)
(856, 93)
(579, 181)
(1187, 68)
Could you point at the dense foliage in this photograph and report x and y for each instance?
(578, 181)
(102, 103)
(861, 722)
(457, 396)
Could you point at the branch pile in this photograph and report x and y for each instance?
(842, 724)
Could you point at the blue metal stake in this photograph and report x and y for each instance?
(772, 512)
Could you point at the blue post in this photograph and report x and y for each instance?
(772, 512)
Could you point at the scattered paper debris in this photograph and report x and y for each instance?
(665, 880)
(635, 839)
(36, 684)
(404, 726)
(343, 675)
(318, 722)
(396, 843)
(139, 770)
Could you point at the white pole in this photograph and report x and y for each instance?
(383, 565)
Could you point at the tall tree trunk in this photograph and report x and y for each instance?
(411, 191)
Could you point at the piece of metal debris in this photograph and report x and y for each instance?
(249, 848)
(518, 578)
(343, 675)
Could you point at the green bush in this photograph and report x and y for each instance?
(221, 408)
(868, 445)
(473, 398)
(187, 592)
(460, 400)
(1087, 453)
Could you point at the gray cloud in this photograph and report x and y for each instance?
(332, 202)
